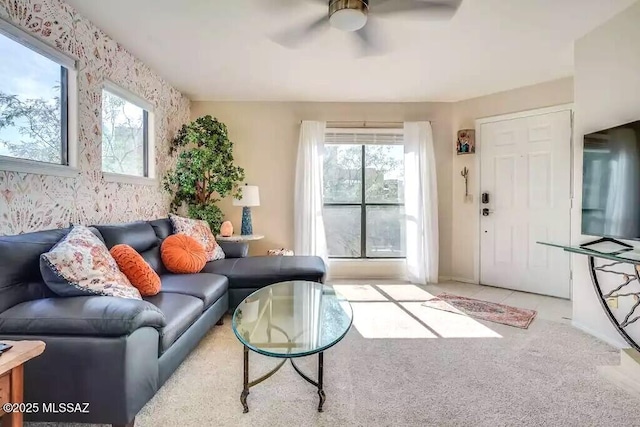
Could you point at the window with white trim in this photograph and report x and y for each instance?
(126, 140)
(363, 193)
(37, 103)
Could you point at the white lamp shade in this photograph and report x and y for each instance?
(250, 196)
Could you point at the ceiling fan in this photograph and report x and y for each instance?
(359, 18)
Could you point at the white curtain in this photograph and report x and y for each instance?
(421, 203)
(309, 236)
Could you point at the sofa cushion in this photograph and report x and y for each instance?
(235, 249)
(139, 235)
(21, 279)
(80, 265)
(256, 272)
(180, 311)
(153, 258)
(20, 265)
(207, 287)
(162, 227)
(89, 316)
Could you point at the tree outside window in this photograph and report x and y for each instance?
(33, 98)
(364, 200)
(124, 136)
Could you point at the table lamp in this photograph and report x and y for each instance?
(250, 197)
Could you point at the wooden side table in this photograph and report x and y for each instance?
(12, 376)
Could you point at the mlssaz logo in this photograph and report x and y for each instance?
(65, 408)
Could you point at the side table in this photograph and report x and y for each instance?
(12, 376)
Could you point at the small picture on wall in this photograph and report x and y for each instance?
(466, 141)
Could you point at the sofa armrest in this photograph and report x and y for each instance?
(89, 316)
(235, 249)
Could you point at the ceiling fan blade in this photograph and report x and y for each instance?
(442, 9)
(295, 36)
(369, 39)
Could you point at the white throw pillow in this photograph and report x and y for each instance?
(80, 265)
(201, 232)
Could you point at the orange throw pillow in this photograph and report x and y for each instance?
(139, 273)
(182, 254)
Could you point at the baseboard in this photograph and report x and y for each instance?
(612, 342)
(379, 269)
(464, 280)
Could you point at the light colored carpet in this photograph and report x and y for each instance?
(543, 376)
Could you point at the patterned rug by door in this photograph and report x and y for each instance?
(483, 310)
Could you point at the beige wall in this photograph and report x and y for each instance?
(607, 84)
(465, 232)
(266, 140)
(266, 137)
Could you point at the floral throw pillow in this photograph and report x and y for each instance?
(201, 232)
(80, 265)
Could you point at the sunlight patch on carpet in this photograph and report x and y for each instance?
(360, 292)
(406, 292)
(450, 325)
(386, 320)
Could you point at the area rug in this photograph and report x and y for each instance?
(483, 310)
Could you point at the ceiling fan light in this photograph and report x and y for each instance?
(348, 19)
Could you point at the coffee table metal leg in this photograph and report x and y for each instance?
(320, 389)
(245, 388)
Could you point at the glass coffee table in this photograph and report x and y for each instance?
(289, 320)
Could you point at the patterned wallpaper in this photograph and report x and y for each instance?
(30, 202)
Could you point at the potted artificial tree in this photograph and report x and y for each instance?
(204, 171)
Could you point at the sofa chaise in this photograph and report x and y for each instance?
(116, 353)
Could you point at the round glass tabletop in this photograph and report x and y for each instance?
(292, 319)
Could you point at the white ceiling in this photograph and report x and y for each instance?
(222, 49)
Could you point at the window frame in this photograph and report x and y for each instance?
(148, 146)
(68, 166)
(363, 203)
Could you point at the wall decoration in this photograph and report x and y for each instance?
(30, 202)
(466, 143)
(465, 175)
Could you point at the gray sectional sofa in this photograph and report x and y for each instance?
(115, 353)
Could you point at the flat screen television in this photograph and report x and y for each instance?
(611, 183)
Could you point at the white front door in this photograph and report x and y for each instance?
(525, 171)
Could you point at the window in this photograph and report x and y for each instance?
(363, 193)
(37, 103)
(125, 133)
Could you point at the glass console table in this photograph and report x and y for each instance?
(610, 262)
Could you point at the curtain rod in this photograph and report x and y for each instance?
(362, 124)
